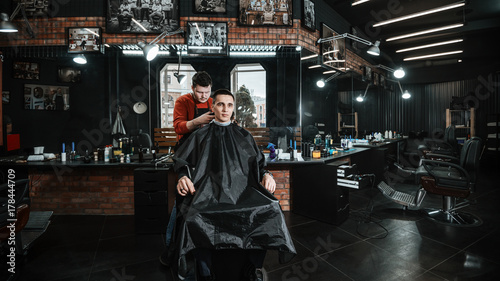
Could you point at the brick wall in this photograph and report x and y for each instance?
(83, 190)
(282, 193)
(103, 191)
(52, 32)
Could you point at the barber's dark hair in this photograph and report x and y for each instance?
(222, 92)
(202, 78)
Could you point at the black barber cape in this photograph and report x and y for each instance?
(230, 208)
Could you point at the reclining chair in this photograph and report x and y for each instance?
(452, 181)
(446, 146)
(453, 178)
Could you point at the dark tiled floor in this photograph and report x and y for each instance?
(384, 244)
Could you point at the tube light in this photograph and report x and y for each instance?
(419, 14)
(430, 45)
(314, 66)
(425, 32)
(309, 57)
(359, 2)
(434, 55)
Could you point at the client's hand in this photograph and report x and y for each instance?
(269, 183)
(185, 186)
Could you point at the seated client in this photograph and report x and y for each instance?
(227, 202)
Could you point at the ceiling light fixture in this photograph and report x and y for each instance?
(80, 59)
(322, 82)
(361, 98)
(405, 95)
(309, 57)
(6, 25)
(434, 55)
(181, 78)
(151, 50)
(425, 32)
(314, 66)
(419, 14)
(430, 45)
(374, 50)
(398, 73)
(358, 2)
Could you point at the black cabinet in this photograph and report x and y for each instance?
(315, 193)
(151, 200)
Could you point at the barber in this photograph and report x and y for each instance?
(193, 111)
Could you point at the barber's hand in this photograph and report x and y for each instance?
(204, 119)
(269, 183)
(185, 186)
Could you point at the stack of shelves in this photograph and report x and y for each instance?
(348, 124)
(493, 138)
(464, 121)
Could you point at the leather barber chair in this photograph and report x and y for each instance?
(453, 181)
(21, 204)
(452, 178)
(447, 146)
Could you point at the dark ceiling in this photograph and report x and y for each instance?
(481, 19)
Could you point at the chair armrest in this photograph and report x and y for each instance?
(430, 167)
(442, 157)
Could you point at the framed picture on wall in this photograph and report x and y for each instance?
(142, 16)
(5, 97)
(268, 12)
(33, 8)
(333, 53)
(375, 79)
(67, 74)
(367, 74)
(26, 70)
(207, 38)
(308, 15)
(382, 81)
(45, 97)
(84, 39)
(209, 6)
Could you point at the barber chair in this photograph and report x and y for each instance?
(452, 178)
(21, 206)
(453, 181)
(446, 146)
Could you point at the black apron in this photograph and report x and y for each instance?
(197, 113)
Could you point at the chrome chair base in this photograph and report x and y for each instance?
(452, 218)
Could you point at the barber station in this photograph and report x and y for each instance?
(255, 140)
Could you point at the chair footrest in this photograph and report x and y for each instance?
(402, 198)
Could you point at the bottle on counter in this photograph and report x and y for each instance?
(141, 154)
(106, 153)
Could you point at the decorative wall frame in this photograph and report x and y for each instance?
(269, 12)
(142, 16)
(68, 74)
(207, 38)
(5, 97)
(333, 53)
(367, 74)
(84, 39)
(45, 97)
(26, 70)
(209, 6)
(33, 8)
(308, 15)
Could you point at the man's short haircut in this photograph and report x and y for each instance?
(202, 78)
(222, 92)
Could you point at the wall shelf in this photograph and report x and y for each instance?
(463, 119)
(348, 122)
